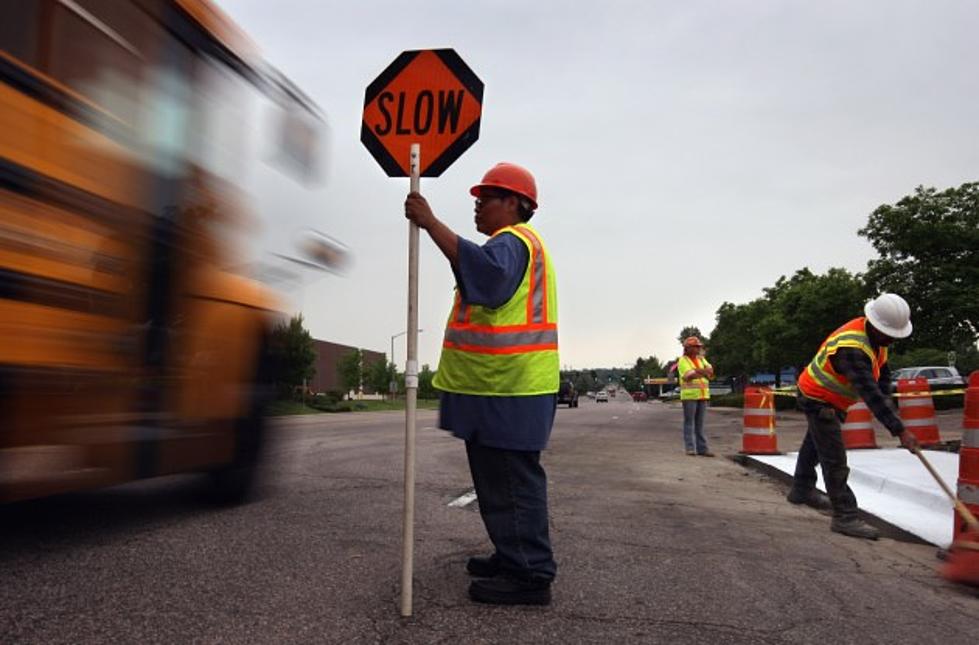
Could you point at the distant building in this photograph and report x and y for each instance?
(328, 355)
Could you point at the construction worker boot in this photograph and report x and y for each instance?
(505, 590)
(810, 497)
(854, 527)
(483, 566)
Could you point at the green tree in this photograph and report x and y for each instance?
(929, 253)
(425, 388)
(802, 311)
(734, 347)
(786, 326)
(378, 375)
(919, 356)
(689, 330)
(294, 353)
(350, 367)
(583, 380)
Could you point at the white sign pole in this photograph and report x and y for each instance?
(411, 396)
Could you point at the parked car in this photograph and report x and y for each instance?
(671, 394)
(567, 394)
(942, 375)
(601, 396)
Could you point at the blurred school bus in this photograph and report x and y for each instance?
(130, 346)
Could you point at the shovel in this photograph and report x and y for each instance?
(963, 556)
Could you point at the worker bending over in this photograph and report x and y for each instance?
(850, 365)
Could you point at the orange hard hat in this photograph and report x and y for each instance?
(692, 341)
(509, 176)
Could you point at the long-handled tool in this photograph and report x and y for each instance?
(963, 556)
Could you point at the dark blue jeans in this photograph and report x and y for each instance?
(694, 439)
(511, 488)
(823, 446)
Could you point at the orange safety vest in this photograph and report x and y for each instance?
(510, 350)
(821, 382)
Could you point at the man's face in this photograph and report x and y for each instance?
(494, 210)
(878, 337)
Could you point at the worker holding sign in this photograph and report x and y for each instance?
(499, 374)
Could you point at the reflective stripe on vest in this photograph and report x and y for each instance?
(510, 350)
(821, 382)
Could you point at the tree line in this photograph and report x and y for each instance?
(928, 247)
(294, 354)
(928, 252)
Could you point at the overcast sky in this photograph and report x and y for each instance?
(686, 153)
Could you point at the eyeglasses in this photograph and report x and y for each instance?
(485, 198)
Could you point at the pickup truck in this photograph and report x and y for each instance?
(567, 394)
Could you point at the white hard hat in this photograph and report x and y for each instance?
(890, 314)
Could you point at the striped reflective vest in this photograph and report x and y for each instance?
(510, 350)
(821, 382)
(694, 389)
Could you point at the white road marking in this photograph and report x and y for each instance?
(464, 500)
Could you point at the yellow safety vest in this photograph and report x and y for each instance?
(694, 389)
(821, 382)
(510, 350)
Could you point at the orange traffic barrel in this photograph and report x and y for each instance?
(858, 429)
(758, 425)
(917, 410)
(968, 488)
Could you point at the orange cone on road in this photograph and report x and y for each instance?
(758, 424)
(918, 411)
(858, 429)
(968, 485)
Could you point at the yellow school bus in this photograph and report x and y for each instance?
(131, 343)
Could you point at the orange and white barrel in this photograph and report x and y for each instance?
(858, 429)
(918, 410)
(968, 488)
(758, 426)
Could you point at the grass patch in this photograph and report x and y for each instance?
(286, 408)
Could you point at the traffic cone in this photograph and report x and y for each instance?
(918, 411)
(968, 484)
(758, 424)
(858, 429)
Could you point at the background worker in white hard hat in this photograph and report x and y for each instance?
(499, 374)
(850, 365)
(694, 373)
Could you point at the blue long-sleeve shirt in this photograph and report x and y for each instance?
(488, 276)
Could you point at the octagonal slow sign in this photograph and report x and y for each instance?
(429, 97)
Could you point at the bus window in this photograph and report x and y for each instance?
(99, 50)
(225, 109)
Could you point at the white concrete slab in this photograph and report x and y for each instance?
(894, 485)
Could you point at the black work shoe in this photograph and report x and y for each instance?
(483, 567)
(811, 497)
(510, 591)
(854, 527)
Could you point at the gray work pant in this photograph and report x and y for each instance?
(823, 446)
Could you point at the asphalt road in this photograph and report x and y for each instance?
(653, 546)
